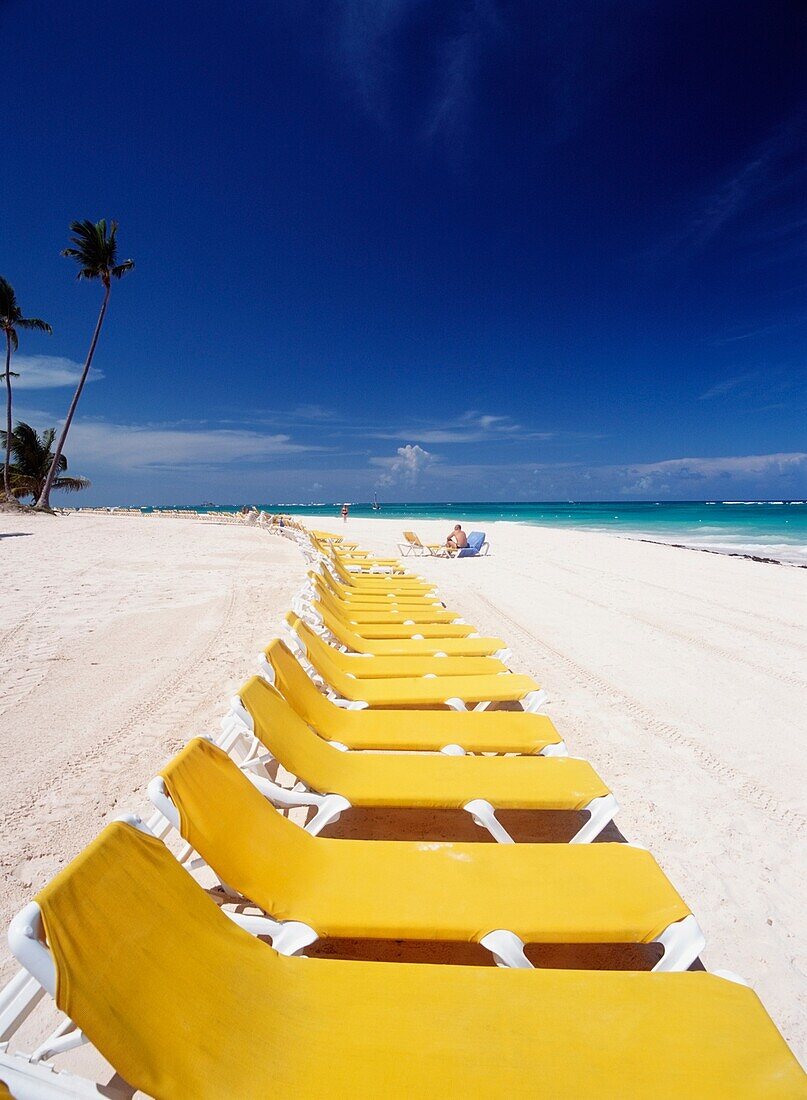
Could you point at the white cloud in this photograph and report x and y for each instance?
(692, 474)
(471, 427)
(406, 465)
(49, 372)
(140, 447)
(729, 385)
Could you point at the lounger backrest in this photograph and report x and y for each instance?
(153, 972)
(328, 598)
(289, 739)
(476, 540)
(233, 827)
(319, 653)
(296, 687)
(337, 627)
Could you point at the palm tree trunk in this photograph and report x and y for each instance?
(44, 497)
(7, 463)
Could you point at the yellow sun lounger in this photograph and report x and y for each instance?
(385, 592)
(385, 611)
(413, 545)
(498, 731)
(370, 625)
(427, 690)
(184, 1004)
(341, 631)
(375, 581)
(341, 592)
(501, 896)
(337, 780)
(367, 667)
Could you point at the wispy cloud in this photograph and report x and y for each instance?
(766, 169)
(372, 44)
(49, 372)
(471, 427)
(141, 447)
(727, 386)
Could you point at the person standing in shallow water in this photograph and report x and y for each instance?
(345, 511)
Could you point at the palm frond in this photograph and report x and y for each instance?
(32, 457)
(13, 339)
(8, 299)
(120, 269)
(35, 324)
(72, 484)
(94, 247)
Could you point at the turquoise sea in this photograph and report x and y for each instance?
(770, 529)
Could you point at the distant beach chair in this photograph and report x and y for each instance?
(477, 544)
(183, 1002)
(413, 546)
(470, 893)
(261, 721)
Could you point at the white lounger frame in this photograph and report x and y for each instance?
(239, 726)
(682, 941)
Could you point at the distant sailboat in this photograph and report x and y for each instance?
(376, 505)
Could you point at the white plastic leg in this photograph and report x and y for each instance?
(64, 1038)
(682, 943)
(507, 949)
(455, 704)
(452, 750)
(601, 811)
(558, 749)
(534, 700)
(18, 999)
(292, 937)
(331, 807)
(482, 706)
(504, 655)
(484, 815)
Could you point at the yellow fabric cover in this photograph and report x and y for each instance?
(385, 583)
(545, 893)
(383, 668)
(406, 647)
(401, 779)
(391, 611)
(419, 691)
(350, 596)
(186, 1005)
(476, 731)
(375, 625)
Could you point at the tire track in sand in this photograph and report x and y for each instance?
(753, 792)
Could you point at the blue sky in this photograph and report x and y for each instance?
(441, 250)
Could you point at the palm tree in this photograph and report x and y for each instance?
(11, 319)
(33, 459)
(96, 253)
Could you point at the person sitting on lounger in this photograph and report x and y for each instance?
(457, 539)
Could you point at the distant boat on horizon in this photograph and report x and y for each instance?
(376, 506)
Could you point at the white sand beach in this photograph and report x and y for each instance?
(680, 675)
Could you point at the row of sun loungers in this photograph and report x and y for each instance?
(380, 714)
